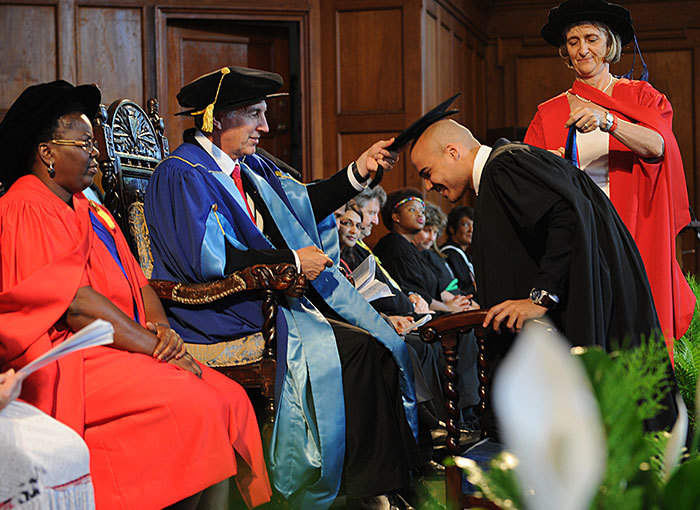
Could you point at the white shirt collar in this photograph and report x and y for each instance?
(226, 164)
(479, 162)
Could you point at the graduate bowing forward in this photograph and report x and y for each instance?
(546, 240)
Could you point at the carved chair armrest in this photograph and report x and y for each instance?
(440, 328)
(275, 277)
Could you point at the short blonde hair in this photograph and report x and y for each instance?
(614, 43)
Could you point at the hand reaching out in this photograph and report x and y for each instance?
(374, 157)
(516, 310)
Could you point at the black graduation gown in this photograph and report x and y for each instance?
(414, 273)
(440, 268)
(541, 222)
(460, 268)
(406, 265)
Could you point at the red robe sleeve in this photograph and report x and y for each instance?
(43, 253)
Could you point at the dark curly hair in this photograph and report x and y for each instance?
(394, 198)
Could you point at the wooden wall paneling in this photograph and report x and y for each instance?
(414, 65)
(690, 241)
(494, 93)
(376, 66)
(29, 46)
(110, 51)
(481, 107)
(446, 54)
(329, 89)
(431, 55)
(193, 52)
(465, 65)
(197, 47)
(538, 78)
(370, 60)
(219, 29)
(67, 61)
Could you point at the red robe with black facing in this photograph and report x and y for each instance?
(651, 198)
(156, 433)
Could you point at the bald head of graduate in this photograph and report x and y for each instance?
(444, 157)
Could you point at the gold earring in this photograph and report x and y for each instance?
(52, 172)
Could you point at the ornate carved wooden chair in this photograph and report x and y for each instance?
(446, 330)
(131, 144)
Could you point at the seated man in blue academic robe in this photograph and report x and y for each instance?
(346, 402)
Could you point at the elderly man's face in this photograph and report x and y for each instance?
(442, 170)
(240, 130)
(370, 214)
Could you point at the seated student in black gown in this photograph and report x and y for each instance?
(460, 227)
(404, 216)
(435, 221)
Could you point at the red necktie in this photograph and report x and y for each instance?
(236, 175)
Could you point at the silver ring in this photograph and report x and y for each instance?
(585, 126)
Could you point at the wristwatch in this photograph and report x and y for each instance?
(543, 298)
(609, 121)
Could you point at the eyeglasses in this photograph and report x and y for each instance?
(87, 145)
(349, 223)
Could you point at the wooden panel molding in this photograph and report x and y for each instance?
(29, 47)
(110, 51)
(306, 80)
(369, 56)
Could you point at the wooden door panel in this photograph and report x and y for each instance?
(29, 49)
(197, 47)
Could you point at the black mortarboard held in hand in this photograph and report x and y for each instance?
(411, 134)
(228, 88)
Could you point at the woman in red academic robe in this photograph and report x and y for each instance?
(160, 428)
(624, 143)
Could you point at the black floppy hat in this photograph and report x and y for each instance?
(29, 114)
(573, 11)
(226, 89)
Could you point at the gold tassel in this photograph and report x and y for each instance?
(208, 118)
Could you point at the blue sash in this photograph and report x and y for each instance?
(308, 440)
(299, 230)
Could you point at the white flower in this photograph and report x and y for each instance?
(550, 420)
(674, 445)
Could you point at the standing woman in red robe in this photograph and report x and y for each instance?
(624, 142)
(160, 427)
